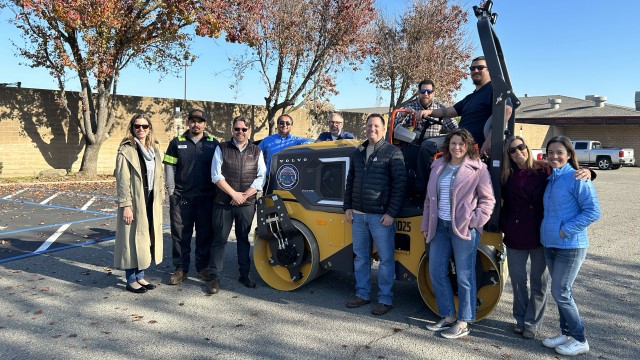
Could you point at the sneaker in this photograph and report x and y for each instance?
(177, 277)
(441, 325)
(381, 309)
(555, 341)
(529, 334)
(455, 331)
(573, 347)
(204, 275)
(213, 286)
(356, 302)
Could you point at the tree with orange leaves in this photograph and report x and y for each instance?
(298, 47)
(427, 41)
(91, 41)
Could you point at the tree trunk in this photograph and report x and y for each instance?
(89, 165)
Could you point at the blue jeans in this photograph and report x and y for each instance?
(366, 227)
(444, 245)
(563, 265)
(133, 275)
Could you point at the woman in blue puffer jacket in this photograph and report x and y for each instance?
(569, 207)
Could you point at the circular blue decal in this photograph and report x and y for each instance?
(287, 177)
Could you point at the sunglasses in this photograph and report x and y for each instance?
(478, 67)
(244, 130)
(138, 126)
(428, 91)
(521, 147)
(286, 123)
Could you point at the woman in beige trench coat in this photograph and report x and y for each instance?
(140, 188)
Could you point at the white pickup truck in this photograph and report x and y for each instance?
(592, 153)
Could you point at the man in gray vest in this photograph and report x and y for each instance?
(238, 169)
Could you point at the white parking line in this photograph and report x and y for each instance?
(14, 194)
(46, 201)
(52, 238)
(88, 203)
(62, 228)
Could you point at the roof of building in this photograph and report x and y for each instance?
(539, 107)
(538, 110)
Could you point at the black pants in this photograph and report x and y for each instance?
(224, 216)
(184, 214)
(423, 168)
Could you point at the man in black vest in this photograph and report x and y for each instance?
(238, 169)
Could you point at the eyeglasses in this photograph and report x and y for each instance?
(521, 147)
(285, 123)
(478, 67)
(241, 129)
(428, 91)
(138, 126)
(335, 122)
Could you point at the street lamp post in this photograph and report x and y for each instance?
(188, 60)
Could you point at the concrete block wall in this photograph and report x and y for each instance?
(36, 134)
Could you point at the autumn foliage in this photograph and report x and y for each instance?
(427, 41)
(91, 41)
(298, 47)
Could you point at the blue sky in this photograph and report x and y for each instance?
(568, 47)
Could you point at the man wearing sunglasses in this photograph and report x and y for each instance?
(280, 141)
(475, 115)
(336, 123)
(425, 100)
(187, 176)
(476, 108)
(238, 170)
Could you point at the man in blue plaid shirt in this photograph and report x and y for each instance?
(424, 101)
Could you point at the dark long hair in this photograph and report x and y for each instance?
(566, 143)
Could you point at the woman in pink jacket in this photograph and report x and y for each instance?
(459, 202)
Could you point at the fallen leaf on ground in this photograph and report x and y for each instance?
(38, 312)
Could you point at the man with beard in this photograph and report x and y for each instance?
(187, 176)
(424, 100)
(336, 123)
(475, 112)
(476, 108)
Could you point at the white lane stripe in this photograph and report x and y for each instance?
(52, 238)
(14, 194)
(85, 206)
(46, 201)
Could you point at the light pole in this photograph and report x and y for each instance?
(188, 60)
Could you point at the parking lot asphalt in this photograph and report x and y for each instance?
(63, 300)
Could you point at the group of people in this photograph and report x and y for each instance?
(546, 208)
(211, 186)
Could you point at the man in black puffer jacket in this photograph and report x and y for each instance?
(374, 195)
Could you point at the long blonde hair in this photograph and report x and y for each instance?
(508, 164)
(149, 141)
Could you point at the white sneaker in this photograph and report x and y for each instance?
(555, 341)
(573, 347)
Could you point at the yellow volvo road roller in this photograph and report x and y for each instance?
(301, 227)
